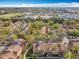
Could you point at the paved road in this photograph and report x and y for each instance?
(45, 58)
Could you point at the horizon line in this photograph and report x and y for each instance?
(73, 4)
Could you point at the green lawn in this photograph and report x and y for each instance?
(9, 15)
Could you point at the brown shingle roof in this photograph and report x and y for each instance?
(12, 52)
(46, 47)
(8, 55)
(15, 48)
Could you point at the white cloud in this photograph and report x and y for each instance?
(74, 4)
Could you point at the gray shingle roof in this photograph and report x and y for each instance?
(2, 48)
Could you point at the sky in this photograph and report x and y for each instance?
(39, 3)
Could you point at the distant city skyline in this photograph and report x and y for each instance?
(39, 3)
